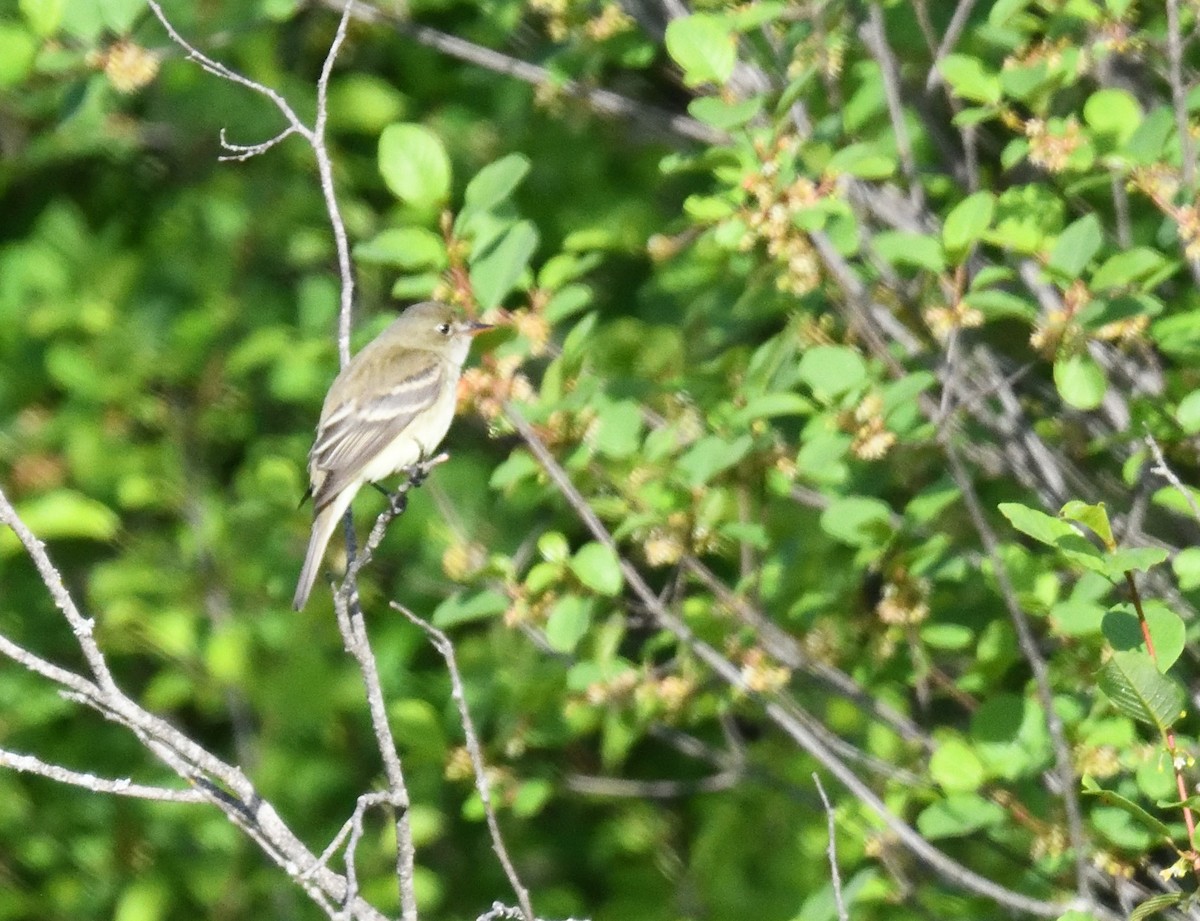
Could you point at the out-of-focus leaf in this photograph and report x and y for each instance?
(414, 164)
(1081, 382)
(496, 271)
(597, 567)
(704, 47)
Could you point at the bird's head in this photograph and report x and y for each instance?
(436, 327)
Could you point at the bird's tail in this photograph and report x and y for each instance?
(324, 524)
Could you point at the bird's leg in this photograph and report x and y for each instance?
(398, 500)
(416, 474)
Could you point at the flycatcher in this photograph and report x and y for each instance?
(387, 410)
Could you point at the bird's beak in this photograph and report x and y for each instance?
(474, 327)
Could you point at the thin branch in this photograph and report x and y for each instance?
(315, 137)
(958, 22)
(605, 102)
(876, 35)
(213, 780)
(786, 650)
(81, 626)
(1037, 663)
(445, 648)
(1163, 469)
(217, 69)
(325, 171)
(352, 626)
(831, 850)
(28, 764)
(1179, 96)
(626, 788)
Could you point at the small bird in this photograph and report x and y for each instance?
(387, 410)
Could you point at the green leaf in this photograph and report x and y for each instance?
(618, 430)
(1187, 413)
(955, 766)
(704, 47)
(1186, 564)
(968, 79)
(1076, 617)
(866, 161)
(553, 547)
(858, 521)
(1123, 631)
(722, 114)
(1128, 806)
(958, 815)
(710, 456)
(1041, 527)
(17, 50)
(495, 182)
(913, 249)
(43, 16)
(568, 623)
(831, 370)
(771, 406)
(1148, 142)
(1127, 268)
(1010, 736)
(1094, 517)
(1155, 904)
(597, 567)
(753, 16)
(1137, 689)
(496, 271)
(1076, 246)
(1112, 112)
(417, 287)
(414, 165)
(1081, 382)
(966, 223)
(404, 247)
(1133, 559)
(65, 513)
(465, 608)
(363, 103)
(143, 900)
(120, 15)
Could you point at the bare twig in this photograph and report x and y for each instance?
(958, 22)
(445, 648)
(648, 118)
(314, 136)
(876, 36)
(1163, 469)
(831, 850)
(212, 780)
(1179, 95)
(353, 628)
(81, 626)
(624, 787)
(28, 764)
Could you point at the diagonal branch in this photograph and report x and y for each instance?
(29, 764)
(442, 644)
(780, 714)
(648, 118)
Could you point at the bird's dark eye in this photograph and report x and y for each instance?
(444, 329)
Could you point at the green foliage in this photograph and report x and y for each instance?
(854, 363)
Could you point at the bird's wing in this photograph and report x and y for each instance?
(353, 432)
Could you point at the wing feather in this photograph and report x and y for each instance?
(351, 434)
